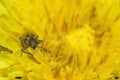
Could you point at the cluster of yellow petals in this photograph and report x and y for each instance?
(83, 37)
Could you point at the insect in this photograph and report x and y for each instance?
(30, 40)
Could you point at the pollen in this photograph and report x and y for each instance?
(59, 39)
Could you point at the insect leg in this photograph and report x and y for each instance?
(41, 49)
(24, 50)
(41, 42)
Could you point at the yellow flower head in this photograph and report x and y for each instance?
(59, 39)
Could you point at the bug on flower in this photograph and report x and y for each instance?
(30, 40)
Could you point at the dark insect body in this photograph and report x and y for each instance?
(30, 40)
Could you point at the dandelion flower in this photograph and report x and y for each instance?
(59, 40)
